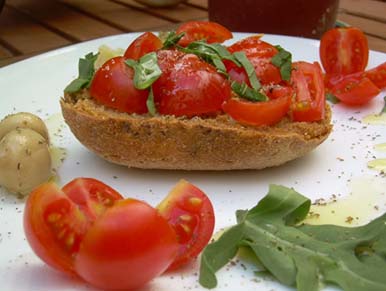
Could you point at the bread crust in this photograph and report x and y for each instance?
(168, 142)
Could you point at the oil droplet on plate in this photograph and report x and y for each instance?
(380, 147)
(375, 119)
(377, 164)
(57, 158)
(366, 201)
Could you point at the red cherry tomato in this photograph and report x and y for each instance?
(258, 113)
(92, 232)
(113, 86)
(259, 54)
(377, 75)
(355, 91)
(203, 30)
(188, 86)
(145, 43)
(126, 247)
(344, 51)
(191, 215)
(307, 81)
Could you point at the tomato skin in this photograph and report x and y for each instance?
(259, 54)
(145, 43)
(343, 51)
(199, 30)
(355, 91)
(117, 255)
(377, 75)
(258, 113)
(189, 86)
(113, 86)
(190, 212)
(307, 81)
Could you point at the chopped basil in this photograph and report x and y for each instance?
(85, 74)
(146, 72)
(283, 60)
(172, 39)
(384, 106)
(332, 98)
(241, 57)
(246, 92)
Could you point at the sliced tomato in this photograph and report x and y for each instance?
(258, 113)
(377, 75)
(113, 87)
(189, 86)
(343, 51)
(203, 30)
(309, 102)
(190, 213)
(259, 54)
(277, 91)
(355, 91)
(145, 43)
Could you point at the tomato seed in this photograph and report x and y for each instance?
(185, 217)
(54, 217)
(185, 227)
(195, 201)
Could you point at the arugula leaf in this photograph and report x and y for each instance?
(85, 74)
(172, 39)
(305, 255)
(146, 72)
(246, 92)
(283, 60)
(243, 60)
(332, 98)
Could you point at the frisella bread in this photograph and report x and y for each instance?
(186, 111)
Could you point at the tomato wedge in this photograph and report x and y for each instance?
(203, 30)
(343, 51)
(258, 113)
(355, 91)
(191, 215)
(309, 102)
(145, 43)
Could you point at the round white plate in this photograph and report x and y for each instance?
(35, 85)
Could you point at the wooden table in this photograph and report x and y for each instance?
(30, 27)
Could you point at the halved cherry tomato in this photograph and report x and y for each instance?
(98, 236)
(259, 54)
(113, 86)
(277, 91)
(309, 102)
(145, 43)
(188, 86)
(203, 30)
(355, 91)
(191, 215)
(343, 51)
(377, 75)
(258, 113)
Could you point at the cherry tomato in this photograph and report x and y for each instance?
(277, 91)
(203, 30)
(377, 75)
(130, 244)
(259, 54)
(343, 51)
(87, 229)
(191, 215)
(258, 113)
(145, 43)
(188, 86)
(113, 86)
(355, 91)
(307, 81)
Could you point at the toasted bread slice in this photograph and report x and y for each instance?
(168, 142)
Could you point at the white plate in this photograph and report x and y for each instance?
(36, 84)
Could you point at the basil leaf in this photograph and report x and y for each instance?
(332, 98)
(283, 61)
(146, 70)
(150, 103)
(246, 92)
(172, 39)
(384, 106)
(302, 255)
(241, 57)
(85, 74)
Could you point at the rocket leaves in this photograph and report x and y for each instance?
(304, 256)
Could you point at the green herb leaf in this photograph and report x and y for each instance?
(384, 106)
(283, 60)
(150, 103)
(305, 255)
(172, 39)
(332, 98)
(85, 74)
(246, 92)
(146, 70)
(243, 60)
